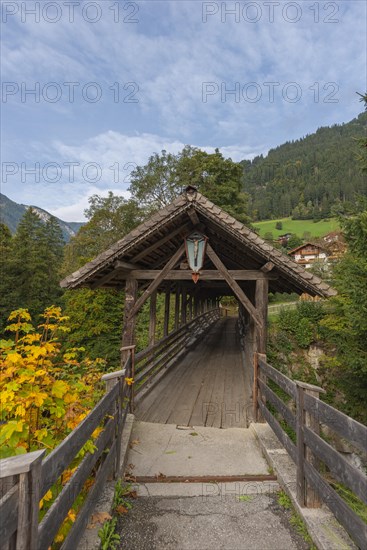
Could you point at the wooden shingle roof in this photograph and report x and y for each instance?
(152, 243)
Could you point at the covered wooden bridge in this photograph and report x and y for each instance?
(198, 371)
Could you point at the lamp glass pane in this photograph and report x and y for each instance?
(195, 248)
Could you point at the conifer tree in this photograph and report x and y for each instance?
(346, 324)
(31, 268)
(5, 281)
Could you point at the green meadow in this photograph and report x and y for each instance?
(298, 227)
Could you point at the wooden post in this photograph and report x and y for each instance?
(255, 390)
(306, 495)
(184, 306)
(111, 379)
(132, 374)
(177, 307)
(257, 394)
(28, 468)
(152, 318)
(128, 333)
(261, 301)
(167, 302)
(196, 306)
(190, 306)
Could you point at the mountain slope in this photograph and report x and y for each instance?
(310, 177)
(11, 213)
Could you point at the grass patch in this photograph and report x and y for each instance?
(295, 520)
(359, 507)
(245, 498)
(110, 540)
(299, 227)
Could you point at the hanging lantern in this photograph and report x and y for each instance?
(195, 245)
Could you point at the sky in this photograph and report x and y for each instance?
(91, 89)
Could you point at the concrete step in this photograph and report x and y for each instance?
(234, 489)
(158, 450)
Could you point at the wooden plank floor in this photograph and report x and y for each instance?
(206, 388)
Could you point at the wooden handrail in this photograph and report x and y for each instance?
(110, 407)
(149, 350)
(344, 425)
(30, 476)
(154, 359)
(310, 447)
(19, 507)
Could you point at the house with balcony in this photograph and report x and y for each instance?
(308, 253)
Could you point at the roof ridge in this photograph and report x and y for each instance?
(260, 242)
(193, 198)
(126, 239)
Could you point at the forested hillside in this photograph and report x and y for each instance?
(11, 214)
(313, 177)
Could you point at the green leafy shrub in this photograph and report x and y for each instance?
(304, 333)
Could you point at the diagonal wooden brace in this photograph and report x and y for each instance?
(239, 293)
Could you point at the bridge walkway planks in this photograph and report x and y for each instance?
(206, 388)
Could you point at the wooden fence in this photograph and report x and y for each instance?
(25, 479)
(311, 449)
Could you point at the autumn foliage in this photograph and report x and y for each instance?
(45, 392)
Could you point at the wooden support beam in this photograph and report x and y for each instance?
(167, 303)
(180, 230)
(158, 279)
(267, 267)
(128, 332)
(261, 301)
(240, 295)
(177, 307)
(190, 303)
(205, 275)
(196, 306)
(193, 216)
(152, 318)
(184, 306)
(120, 264)
(105, 279)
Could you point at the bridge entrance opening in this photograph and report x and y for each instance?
(207, 387)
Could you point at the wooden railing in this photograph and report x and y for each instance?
(25, 479)
(152, 362)
(310, 448)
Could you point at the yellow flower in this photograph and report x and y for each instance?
(48, 496)
(20, 410)
(71, 515)
(129, 381)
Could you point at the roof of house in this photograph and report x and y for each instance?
(153, 243)
(305, 245)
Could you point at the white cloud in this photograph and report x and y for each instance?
(115, 155)
(169, 54)
(75, 211)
